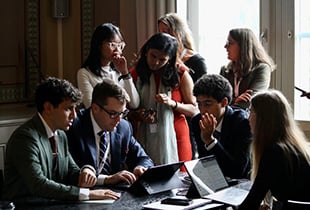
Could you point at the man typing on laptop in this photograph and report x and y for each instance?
(101, 138)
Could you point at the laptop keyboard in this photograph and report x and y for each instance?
(155, 198)
(244, 184)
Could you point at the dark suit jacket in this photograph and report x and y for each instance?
(232, 149)
(125, 150)
(28, 165)
(257, 79)
(283, 171)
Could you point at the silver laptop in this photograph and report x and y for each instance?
(209, 182)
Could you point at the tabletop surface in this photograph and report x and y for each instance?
(127, 201)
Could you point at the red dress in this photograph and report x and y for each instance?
(181, 129)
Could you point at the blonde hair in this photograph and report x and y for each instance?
(179, 29)
(275, 124)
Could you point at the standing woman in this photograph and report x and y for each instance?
(174, 25)
(165, 87)
(250, 67)
(280, 152)
(105, 59)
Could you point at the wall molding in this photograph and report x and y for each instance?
(32, 37)
(87, 26)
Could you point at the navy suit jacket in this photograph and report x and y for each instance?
(232, 149)
(126, 152)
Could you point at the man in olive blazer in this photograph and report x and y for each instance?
(29, 148)
(34, 168)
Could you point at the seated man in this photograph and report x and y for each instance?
(101, 138)
(35, 165)
(220, 130)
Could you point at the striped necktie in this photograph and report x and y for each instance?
(104, 163)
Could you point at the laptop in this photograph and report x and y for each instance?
(209, 182)
(156, 179)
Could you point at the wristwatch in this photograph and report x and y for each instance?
(211, 144)
(124, 76)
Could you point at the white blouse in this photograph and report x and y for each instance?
(86, 82)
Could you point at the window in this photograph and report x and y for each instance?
(286, 27)
(302, 58)
(210, 22)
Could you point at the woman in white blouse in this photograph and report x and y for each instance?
(105, 59)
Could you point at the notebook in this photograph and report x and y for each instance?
(157, 179)
(209, 182)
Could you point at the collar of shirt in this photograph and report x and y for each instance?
(106, 69)
(96, 127)
(48, 130)
(219, 126)
(110, 73)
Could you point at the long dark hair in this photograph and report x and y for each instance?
(102, 33)
(169, 72)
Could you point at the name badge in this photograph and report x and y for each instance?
(153, 127)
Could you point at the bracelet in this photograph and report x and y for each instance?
(124, 76)
(176, 105)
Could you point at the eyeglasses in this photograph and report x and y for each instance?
(114, 115)
(230, 42)
(118, 45)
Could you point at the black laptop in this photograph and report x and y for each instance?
(156, 179)
(209, 182)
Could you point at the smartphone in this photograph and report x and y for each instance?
(149, 111)
(301, 90)
(177, 201)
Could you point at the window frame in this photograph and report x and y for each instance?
(277, 35)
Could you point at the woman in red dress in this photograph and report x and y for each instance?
(165, 89)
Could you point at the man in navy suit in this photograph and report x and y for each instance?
(219, 129)
(125, 157)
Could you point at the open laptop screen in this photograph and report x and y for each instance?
(206, 175)
(209, 182)
(158, 179)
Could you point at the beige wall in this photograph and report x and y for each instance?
(60, 42)
(129, 28)
(61, 38)
(58, 46)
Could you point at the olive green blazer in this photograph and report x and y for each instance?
(28, 165)
(258, 79)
